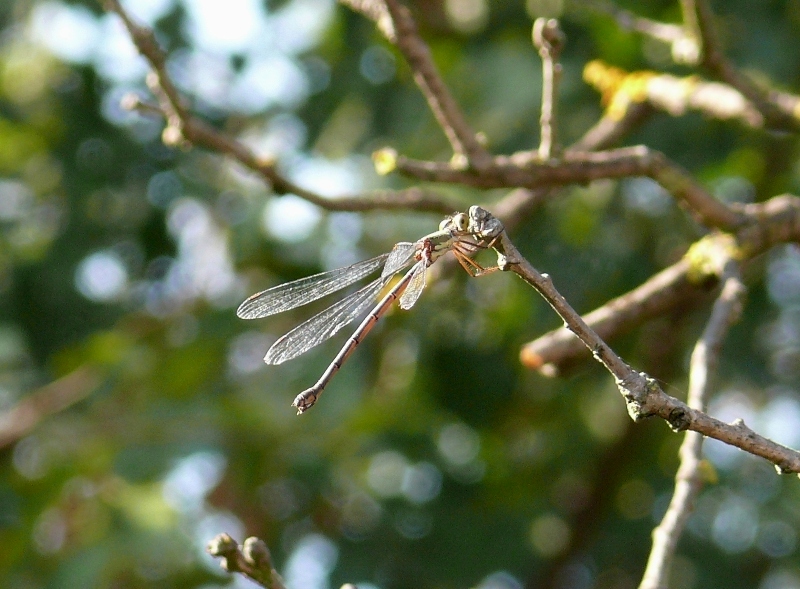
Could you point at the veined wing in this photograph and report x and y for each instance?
(400, 256)
(324, 324)
(299, 292)
(415, 286)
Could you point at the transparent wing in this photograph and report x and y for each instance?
(415, 287)
(299, 292)
(324, 324)
(400, 256)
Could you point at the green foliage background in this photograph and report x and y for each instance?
(434, 459)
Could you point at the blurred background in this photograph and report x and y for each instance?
(434, 459)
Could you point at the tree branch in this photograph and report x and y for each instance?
(696, 43)
(688, 480)
(184, 128)
(652, 298)
(642, 394)
(714, 60)
(772, 222)
(520, 170)
(53, 398)
(549, 41)
(396, 23)
(622, 90)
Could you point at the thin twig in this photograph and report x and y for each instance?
(468, 152)
(652, 298)
(666, 32)
(183, 127)
(549, 41)
(621, 90)
(252, 559)
(696, 43)
(688, 479)
(642, 394)
(52, 398)
(774, 221)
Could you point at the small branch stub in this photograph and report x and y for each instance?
(549, 41)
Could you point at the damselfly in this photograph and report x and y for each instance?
(453, 235)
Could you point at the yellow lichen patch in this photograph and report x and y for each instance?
(708, 256)
(618, 88)
(385, 160)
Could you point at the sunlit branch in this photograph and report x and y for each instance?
(468, 152)
(549, 41)
(184, 128)
(623, 90)
(695, 42)
(521, 170)
(772, 222)
(642, 394)
(688, 480)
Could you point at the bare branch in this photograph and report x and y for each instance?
(642, 394)
(622, 90)
(53, 398)
(688, 480)
(184, 128)
(523, 170)
(696, 43)
(664, 291)
(520, 203)
(252, 559)
(774, 221)
(468, 152)
(549, 41)
(714, 60)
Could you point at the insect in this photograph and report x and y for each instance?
(453, 236)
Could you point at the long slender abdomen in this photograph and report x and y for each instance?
(308, 397)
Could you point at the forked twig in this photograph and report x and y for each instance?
(184, 128)
(396, 23)
(642, 394)
(772, 222)
(695, 42)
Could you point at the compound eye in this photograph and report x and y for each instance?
(461, 222)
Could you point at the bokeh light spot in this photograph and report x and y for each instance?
(549, 535)
(101, 277)
(290, 218)
(377, 65)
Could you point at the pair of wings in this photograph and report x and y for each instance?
(328, 322)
